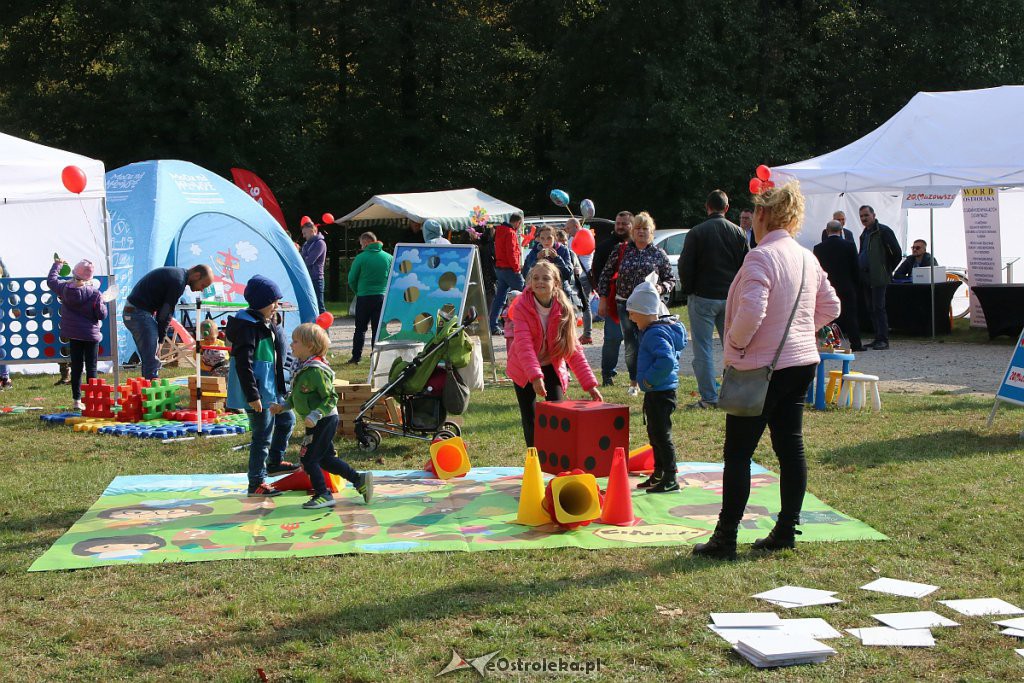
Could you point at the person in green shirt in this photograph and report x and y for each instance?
(313, 399)
(368, 278)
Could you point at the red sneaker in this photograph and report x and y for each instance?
(586, 340)
(264, 490)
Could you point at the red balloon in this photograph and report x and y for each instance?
(304, 220)
(583, 242)
(763, 172)
(529, 235)
(325, 319)
(767, 185)
(327, 218)
(755, 186)
(73, 179)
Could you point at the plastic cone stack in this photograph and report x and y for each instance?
(532, 493)
(618, 501)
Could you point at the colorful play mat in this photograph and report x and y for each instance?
(196, 518)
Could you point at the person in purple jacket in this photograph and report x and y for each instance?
(314, 253)
(81, 311)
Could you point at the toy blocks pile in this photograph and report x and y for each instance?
(351, 398)
(215, 392)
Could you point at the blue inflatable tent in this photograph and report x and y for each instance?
(174, 213)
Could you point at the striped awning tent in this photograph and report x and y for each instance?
(453, 209)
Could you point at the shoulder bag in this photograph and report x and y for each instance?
(743, 391)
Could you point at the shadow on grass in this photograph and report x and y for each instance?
(380, 613)
(932, 446)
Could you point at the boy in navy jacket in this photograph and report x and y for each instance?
(662, 339)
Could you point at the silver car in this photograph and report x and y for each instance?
(671, 241)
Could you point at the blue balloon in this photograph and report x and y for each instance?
(559, 198)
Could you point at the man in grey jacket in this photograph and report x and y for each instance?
(712, 253)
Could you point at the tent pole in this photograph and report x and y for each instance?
(111, 282)
(931, 268)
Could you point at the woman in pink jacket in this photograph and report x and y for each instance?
(544, 342)
(757, 311)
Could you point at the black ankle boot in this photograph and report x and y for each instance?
(781, 537)
(721, 545)
(651, 480)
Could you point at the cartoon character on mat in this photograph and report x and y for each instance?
(152, 513)
(118, 547)
(819, 517)
(462, 493)
(709, 513)
(712, 481)
(224, 266)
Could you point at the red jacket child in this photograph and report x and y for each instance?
(507, 252)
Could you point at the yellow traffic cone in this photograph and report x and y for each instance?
(532, 493)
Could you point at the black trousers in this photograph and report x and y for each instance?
(318, 454)
(847, 319)
(658, 408)
(83, 354)
(527, 398)
(368, 310)
(784, 416)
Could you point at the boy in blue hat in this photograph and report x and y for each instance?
(256, 381)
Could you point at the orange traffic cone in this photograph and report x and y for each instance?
(449, 458)
(641, 459)
(531, 494)
(299, 481)
(618, 501)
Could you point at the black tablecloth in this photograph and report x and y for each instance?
(1003, 306)
(907, 306)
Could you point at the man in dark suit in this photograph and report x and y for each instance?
(747, 226)
(838, 259)
(847, 233)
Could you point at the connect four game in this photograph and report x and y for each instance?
(30, 323)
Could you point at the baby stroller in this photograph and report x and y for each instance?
(418, 386)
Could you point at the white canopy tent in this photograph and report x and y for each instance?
(451, 208)
(40, 217)
(965, 138)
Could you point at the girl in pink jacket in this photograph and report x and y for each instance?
(757, 312)
(544, 342)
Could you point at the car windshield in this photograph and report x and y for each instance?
(673, 246)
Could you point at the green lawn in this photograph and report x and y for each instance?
(926, 472)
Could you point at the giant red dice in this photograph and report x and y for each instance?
(580, 434)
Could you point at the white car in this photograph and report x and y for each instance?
(671, 241)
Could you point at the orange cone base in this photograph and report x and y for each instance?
(429, 469)
(641, 459)
(299, 481)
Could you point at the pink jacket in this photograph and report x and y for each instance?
(761, 298)
(523, 353)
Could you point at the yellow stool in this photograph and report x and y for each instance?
(835, 383)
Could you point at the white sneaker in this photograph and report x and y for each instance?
(79, 405)
(633, 391)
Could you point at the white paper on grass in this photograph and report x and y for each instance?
(891, 637)
(1020, 652)
(1015, 632)
(795, 594)
(811, 603)
(908, 589)
(745, 619)
(804, 628)
(982, 607)
(906, 620)
(1011, 623)
(782, 646)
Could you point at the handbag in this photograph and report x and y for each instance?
(456, 391)
(613, 309)
(743, 392)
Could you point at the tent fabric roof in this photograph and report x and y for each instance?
(31, 172)
(451, 208)
(964, 138)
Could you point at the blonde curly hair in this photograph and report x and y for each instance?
(784, 207)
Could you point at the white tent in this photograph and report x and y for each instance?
(39, 216)
(451, 208)
(966, 138)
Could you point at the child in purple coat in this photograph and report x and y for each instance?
(81, 311)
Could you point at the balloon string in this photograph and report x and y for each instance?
(88, 222)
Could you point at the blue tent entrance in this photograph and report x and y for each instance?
(174, 213)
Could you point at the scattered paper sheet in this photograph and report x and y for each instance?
(1011, 623)
(1020, 652)
(745, 619)
(981, 607)
(908, 589)
(906, 620)
(809, 603)
(794, 594)
(815, 627)
(891, 637)
(1015, 632)
(782, 650)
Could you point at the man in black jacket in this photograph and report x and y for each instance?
(612, 331)
(919, 258)
(712, 253)
(838, 259)
(879, 253)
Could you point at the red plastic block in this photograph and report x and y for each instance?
(580, 435)
(190, 415)
(96, 395)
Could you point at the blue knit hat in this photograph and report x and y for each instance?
(261, 291)
(431, 230)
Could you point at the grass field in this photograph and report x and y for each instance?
(926, 472)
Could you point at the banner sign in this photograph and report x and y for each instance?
(930, 197)
(981, 235)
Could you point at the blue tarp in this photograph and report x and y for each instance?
(174, 213)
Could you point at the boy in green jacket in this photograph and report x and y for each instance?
(314, 401)
(368, 278)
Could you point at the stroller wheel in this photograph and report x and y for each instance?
(452, 427)
(444, 434)
(369, 441)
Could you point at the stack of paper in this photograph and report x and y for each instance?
(912, 620)
(782, 650)
(1020, 652)
(795, 596)
(892, 637)
(982, 607)
(804, 628)
(1012, 627)
(908, 589)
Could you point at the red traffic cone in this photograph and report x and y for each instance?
(641, 459)
(299, 481)
(618, 501)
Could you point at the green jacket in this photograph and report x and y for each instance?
(369, 272)
(313, 390)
